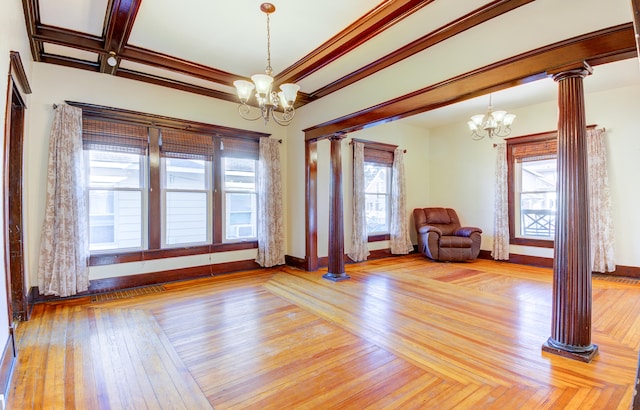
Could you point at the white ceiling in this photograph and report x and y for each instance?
(231, 36)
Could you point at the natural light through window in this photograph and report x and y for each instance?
(537, 198)
(377, 182)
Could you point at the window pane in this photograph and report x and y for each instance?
(187, 174)
(538, 198)
(377, 188)
(239, 174)
(186, 217)
(115, 219)
(114, 170)
(240, 216)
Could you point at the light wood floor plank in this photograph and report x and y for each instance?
(403, 333)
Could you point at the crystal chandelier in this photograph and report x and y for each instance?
(268, 100)
(493, 123)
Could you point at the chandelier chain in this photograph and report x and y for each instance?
(268, 70)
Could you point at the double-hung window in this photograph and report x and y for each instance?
(532, 163)
(115, 158)
(186, 180)
(157, 185)
(378, 161)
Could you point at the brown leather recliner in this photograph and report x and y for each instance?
(441, 238)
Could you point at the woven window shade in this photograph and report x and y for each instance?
(378, 156)
(240, 148)
(114, 136)
(186, 145)
(535, 151)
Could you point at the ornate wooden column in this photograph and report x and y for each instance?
(336, 226)
(571, 316)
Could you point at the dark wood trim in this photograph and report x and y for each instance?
(476, 17)
(68, 38)
(368, 26)
(311, 205)
(336, 270)
(154, 204)
(119, 22)
(294, 262)
(113, 258)
(69, 62)
(378, 238)
(626, 271)
(7, 363)
(176, 85)
(607, 45)
(380, 146)
(17, 69)
(119, 114)
(635, 6)
(521, 259)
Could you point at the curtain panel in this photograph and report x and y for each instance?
(399, 241)
(64, 247)
(270, 230)
(500, 249)
(600, 219)
(359, 236)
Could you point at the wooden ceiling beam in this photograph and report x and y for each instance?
(117, 29)
(356, 34)
(470, 20)
(602, 46)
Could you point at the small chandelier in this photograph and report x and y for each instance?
(267, 99)
(493, 123)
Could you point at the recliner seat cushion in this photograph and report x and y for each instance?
(455, 242)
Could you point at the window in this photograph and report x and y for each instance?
(378, 161)
(157, 185)
(240, 198)
(377, 181)
(532, 163)
(115, 156)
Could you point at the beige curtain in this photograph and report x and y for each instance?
(359, 236)
(64, 246)
(600, 221)
(270, 229)
(399, 243)
(500, 249)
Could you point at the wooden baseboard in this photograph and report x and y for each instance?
(146, 279)
(7, 363)
(621, 270)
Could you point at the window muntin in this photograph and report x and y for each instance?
(377, 182)
(116, 195)
(239, 177)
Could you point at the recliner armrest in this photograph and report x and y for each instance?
(425, 229)
(467, 231)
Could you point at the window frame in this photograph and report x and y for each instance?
(518, 143)
(383, 154)
(155, 124)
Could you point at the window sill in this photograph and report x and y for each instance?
(538, 243)
(138, 256)
(378, 238)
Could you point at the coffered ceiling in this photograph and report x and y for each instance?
(202, 46)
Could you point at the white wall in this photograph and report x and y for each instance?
(467, 183)
(55, 84)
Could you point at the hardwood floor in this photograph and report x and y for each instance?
(402, 333)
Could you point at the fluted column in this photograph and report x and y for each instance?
(571, 316)
(336, 226)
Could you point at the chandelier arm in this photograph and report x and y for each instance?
(285, 118)
(244, 110)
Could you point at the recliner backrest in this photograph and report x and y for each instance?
(445, 219)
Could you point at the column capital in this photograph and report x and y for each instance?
(337, 136)
(580, 69)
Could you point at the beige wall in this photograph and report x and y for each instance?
(470, 188)
(55, 84)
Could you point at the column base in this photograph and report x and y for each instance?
(583, 356)
(336, 277)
